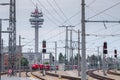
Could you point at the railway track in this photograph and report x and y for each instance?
(90, 73)
(113, 73)
(37, 75)
(30, 75)
(49, 76)
(46, 77)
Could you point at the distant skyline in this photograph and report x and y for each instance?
(66, 12)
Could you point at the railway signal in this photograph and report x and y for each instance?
(105, 48)
(104, 58)
(115, 53)
(44, 46)
(53, 59)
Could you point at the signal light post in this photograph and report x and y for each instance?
(43, 51)
(104, 58)
(44, 46)
(115, 55)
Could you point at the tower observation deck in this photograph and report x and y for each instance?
(36, 22)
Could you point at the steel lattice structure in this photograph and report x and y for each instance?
(12, 35)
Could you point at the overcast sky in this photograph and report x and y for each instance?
(66, 12)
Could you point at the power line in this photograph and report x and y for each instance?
(55, 35)
(48, 11)
(91, 3)
(32, 2)
(71, 17)
(51, 20)
(95, 11)
(113, 35)
(108, 27)
(55, 10)
(102, 21)
(28, 42)
(61, 11)
(45, 15)
(68, 19)
(77, 24)
(104, 10)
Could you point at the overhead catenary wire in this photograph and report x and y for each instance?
(47, 18)
(71, 17)
(95, 11)
(104, 10)
(55, 35)
(66, 20)
(28, 42)
(45, 15)
(103, 35)
(61, 17)
(79, 23)
(61, 11)
(33, 3)
(91, 3)
(55, 19)
(51, 19)
(107, 27)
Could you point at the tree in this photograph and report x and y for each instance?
(61, 58)
(93, 60)
(24, 62)
(75, 59)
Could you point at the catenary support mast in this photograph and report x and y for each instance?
(12, 36)
(83, 66)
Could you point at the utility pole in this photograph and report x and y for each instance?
(104, 58)
(83, 66)
(78, 52)
(66, 45)
(70, 44)
(104, 64)
(55, 56)
(71, 51)
(98, 59)
(0, 48)
(20, 56)
(73, 46)
(2, 56)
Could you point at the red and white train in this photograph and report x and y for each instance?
(42, 66)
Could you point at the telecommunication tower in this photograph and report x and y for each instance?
(36, 22)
